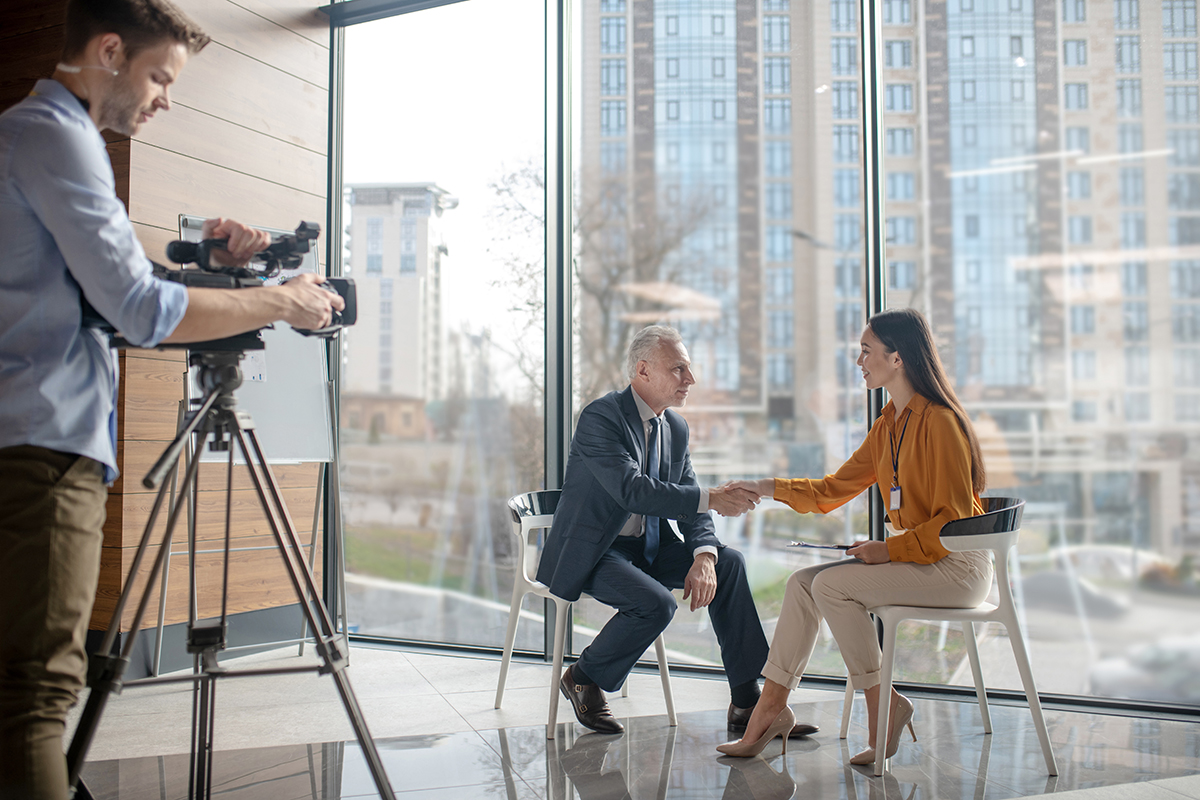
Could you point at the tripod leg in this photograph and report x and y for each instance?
(106, 673)
(203, 722)
(302, 580)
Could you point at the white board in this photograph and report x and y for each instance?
(285, 387)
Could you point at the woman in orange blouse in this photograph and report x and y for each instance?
(924, 456)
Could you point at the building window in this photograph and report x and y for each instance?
(846, 231)
(970, 136)
(846, 185)
(779, 370)
(901, 186)
(845, 100)
(612, 76)
(1129, 98)
(1075, 52)
(1183, 104)
(612, 34)
(1137, 407)
(968, 91)
(1078, 139)
(778, 158)
(901, 230)
(672, 109)
(1079, 229)
(966, 46)
(1187, 367)
(777, 115)
(1185, 324)
(1133, 279)
(844, 54)
(971, 226)
(718, 25)
(974, 268)
(612, 157)
(672, 25)
(779, 328)
(1133, 186)
(1137, 321)
(779, 285)
(779, 200)
(672, 67)
(1129, 137)
(718, 67)
(1185, 144)
(1179, 61)
(612, 6)
(718, 109)
(1083, 320)
(899, 96)
(1183, 191)
(848, 320)
(1074, 10)
(848, 278)
(897, 53)
(777, 34)
(1137, 365)
(408, 263)
(899, 141)
(1083, 365)
(902, 274)
(1179, 18)
(897, 12)
(843, 15)
(1083, 410)
(1126, 14)
(845, 144)
(1187, 408)
(1076, 96)
(1129, 54)
(612, 118)
(777, 75)
(1016, 46)
(1018, 93)
(718, 152)
(779, 244)
(1079, 185)
(1183, 231)
(374, 245)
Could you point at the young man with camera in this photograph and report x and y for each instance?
(66, 237)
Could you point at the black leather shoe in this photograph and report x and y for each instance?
(738, 717)
(591, 709)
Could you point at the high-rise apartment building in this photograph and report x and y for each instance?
(1041, 190)
(396, 261)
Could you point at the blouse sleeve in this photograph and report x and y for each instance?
(948, 461)
(822, 495)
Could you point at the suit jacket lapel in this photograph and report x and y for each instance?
(633, 420)
(665, 456)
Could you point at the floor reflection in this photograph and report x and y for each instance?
(953, 760)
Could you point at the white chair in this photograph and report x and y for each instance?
(997, 530)
(533, 511)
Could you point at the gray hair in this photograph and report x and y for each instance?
(645, 342)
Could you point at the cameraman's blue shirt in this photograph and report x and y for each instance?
(64, 231)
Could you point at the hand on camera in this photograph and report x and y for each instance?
(731, 501)
(312, 305)
(244, 241)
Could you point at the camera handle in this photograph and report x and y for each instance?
(215, 416)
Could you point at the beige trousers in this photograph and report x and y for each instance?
(842, 591)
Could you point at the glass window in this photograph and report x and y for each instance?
(779, 200)
(1079, 185)
(1133, 278)
(966, 46)
(897, 53)
(1129, 137)
(844, 52)
(1074, 10)
(1075, 52)
(899, 97)
(612, 157)
(1083, 320)
(1083, 365)
(1133, 186)
(777, 116)
(968, 90)
(1126, 14)
(899, 141)
(845, 144)
(901, 185)
(843, 15)
(612, 118)
(1129, 54)
(1079, 139)
(777, 34)
(612, 76)
(778, 161)
(845, 100)
(897, 12)
(1129, 98)
(1075, 96)
(1183, 191)
(779, 285)
(779, 244)
(902, 275)
(1183, 104)
(1184, 144)
(901, 230)
(846, 185)
(777, 75)
(612, 34)
(1179, 61)
(1179, 18)
(1016, 46)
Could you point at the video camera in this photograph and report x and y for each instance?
(285, 252)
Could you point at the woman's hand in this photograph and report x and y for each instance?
(760, 488)
(870, 552)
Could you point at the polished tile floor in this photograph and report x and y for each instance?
(439, 737)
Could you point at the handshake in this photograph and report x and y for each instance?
(735, 498)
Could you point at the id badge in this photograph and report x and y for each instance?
(894, 499)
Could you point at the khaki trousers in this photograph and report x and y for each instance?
(840, 592)
(51, 521)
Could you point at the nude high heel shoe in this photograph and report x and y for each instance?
(782, 726)
(901, 716)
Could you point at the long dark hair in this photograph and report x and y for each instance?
(906, 331)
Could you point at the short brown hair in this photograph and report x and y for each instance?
(139, 23)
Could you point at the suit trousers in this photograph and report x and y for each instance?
(641, 593)
(840, 592)
(51, 520)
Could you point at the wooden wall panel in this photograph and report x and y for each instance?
(298, 16)
(240, 30)
(27, 58)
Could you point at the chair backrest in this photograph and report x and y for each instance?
(997, 530)
(530, 511)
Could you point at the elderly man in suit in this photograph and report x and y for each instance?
(628, 472)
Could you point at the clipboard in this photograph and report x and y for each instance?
(821, 546)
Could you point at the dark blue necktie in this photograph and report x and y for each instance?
(652, 462)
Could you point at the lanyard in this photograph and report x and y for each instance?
(896, 449)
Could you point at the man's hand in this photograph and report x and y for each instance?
(760, 488)
(701, 581)
(729, 501)
(244, 241)
(309, 306)
(870, 552)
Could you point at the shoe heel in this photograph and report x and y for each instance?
(912, 732)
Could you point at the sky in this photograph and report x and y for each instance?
(456, 96)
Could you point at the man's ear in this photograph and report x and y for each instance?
(110, 50)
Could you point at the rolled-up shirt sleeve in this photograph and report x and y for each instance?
(68, 183)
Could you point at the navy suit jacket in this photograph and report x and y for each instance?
(604, 485)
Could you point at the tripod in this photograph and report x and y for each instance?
(216, 416)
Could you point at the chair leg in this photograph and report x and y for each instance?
(561, 621)
(625, 688)
(977, 673)
(847, 707)
(660, 649)
(885, 695)
(510, 637)
(1017, 638)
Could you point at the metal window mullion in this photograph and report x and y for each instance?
(557, 400)
(871, 105)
